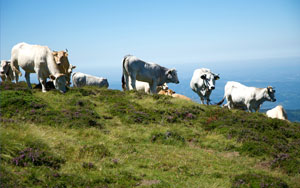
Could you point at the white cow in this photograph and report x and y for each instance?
(144, 86)
(246, 98)
(154, 74)
(203, 82)
(6, 72)
(37, 59)
(277, 112)
(80, 79)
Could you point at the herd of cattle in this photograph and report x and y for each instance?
(137, 75)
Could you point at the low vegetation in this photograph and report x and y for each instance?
(91, 137)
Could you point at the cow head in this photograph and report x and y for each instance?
(4, 67)
(163, 87)
(209, 80)
(172, 76)
(270, 94)
(71, 67)
(59, 82)
(60, 57)
(68, 74)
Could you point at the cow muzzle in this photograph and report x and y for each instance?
(212, 88)
(273, 100)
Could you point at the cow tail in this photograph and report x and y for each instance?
(123, 78)
(219, 103)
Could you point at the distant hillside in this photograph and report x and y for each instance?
(91, 137)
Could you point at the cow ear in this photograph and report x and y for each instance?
(217, 77)
(169, 71)
(54, 53)
(66, 54)
(73, 67)
(52, 77)
(203, 76)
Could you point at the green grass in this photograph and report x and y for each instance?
(93, 137)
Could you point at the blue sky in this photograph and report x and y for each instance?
(99, 33)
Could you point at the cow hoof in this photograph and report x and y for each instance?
(44, 91)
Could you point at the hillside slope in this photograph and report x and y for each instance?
(94, 137)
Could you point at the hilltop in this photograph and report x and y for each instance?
(91, 137)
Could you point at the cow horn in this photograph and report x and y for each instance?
(66, 50)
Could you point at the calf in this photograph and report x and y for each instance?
(172, 93)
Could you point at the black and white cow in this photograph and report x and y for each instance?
(203, 82)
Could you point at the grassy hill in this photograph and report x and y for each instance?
(94, 137)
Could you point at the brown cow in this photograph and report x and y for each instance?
(176, 95)
(172, 93)
(61, 59)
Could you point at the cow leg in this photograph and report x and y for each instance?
(132, 81)
(208, 101)
(249, 108)
(42, 79)
(27, 76)
(43, 82)
(126, 80)
(153, 87)
(16, 75)
(201, 98)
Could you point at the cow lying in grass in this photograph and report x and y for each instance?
(172, 93)
(277, 112)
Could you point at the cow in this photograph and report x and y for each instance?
(203, 82)
(277, 112)
(176, 95)
(61, 59)
(246, 98)
(168, 92)
(6, 72)
(144, 86)
(37, 59)
(154, 74)
(172, 93)
(80, 79)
